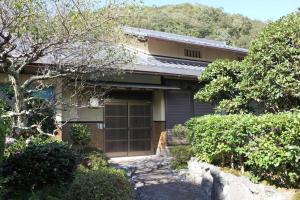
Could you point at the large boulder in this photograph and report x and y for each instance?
(217, 185)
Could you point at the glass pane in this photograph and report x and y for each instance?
(116, 134)
(116, 146)
(140, 145)
(140, 110)
(139, 134)
(116, 110)
(116, 122)
(140, 122)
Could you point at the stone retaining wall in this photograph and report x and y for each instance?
(217, 185)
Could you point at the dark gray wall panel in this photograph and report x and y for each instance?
(202, 108)
(178, 107)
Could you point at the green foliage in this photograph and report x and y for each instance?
(93, 160)
(80, 134)
(52, 192)
(220, 84)
(43, 114)
(104, 184)
(268, 145)
(182, 154)
(266, 81)
(220, 139)
(179, 130)
(272, 74)
(4, 128)
(275, 153)
(38, 165)
(3, 133)
(198, 21)
(21, 143)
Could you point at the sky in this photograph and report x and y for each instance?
(254, 9)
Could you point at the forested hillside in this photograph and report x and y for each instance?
(198, 21)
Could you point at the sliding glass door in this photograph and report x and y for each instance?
(128, 129)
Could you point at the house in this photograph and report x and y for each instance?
(152, 96)
(155, 95)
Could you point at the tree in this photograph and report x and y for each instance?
(198, 21)
(69, 40)
(272, 74)
(220, 85)
(268, 80)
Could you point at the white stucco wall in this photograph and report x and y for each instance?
(159, 106)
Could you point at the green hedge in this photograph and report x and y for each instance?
(266, 145)
(80, 134)
(181, 155)
(100, 184)
(38, 165)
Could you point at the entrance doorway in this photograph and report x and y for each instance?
(128, 129)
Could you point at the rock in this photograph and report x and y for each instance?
(139, 184)
(237, 191)
(217, 185)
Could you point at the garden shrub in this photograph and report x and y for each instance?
(268, 145)
(219, 139)
(80, 134)
(51, 192)
(179, 130)
(275, 154)
(101, 184)
(93, 160)
(182, 154)
(4, 128)
(2, 138)
(21, 143)
(39, 165)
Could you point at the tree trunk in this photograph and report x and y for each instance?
(19, 121)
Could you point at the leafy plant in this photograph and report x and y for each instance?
(39, 165)
(179, 130)
(275, 153)
(2, 138)
(220, 139)
(43, 114)
(104, 184)
(93, 160)
(181, 154)
(21, 143)
(80, 134)
(268, 146)
(267, 80)
(51, 192)
(4, 128)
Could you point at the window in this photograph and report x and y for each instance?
(45, 94)
(192, 53)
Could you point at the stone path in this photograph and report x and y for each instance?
(154, 180)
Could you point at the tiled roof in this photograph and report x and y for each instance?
(182, 39)
(173, 66)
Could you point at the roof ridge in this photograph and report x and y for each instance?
(181, 38)
(175, 34)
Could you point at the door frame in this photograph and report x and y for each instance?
(129, 153)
